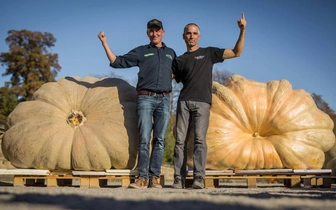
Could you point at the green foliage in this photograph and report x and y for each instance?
(168, 154)
(221, 76)
(8, 101)
(333, 117)
(324, 106)
(29, 62)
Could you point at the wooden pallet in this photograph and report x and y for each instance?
(291, 178)
(84, 179)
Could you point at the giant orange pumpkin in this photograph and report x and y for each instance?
(269, 125)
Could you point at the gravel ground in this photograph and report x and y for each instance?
(267, 196)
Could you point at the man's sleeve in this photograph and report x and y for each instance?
(176, 71)
(216, 54)
(126, 61)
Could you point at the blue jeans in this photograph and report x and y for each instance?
(198, 114)
(153, 113)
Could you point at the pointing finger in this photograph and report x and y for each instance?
(243, 16)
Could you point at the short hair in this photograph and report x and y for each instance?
(191, 24)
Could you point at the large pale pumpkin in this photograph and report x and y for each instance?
(81, 124)
(257, 125)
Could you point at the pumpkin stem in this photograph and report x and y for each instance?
(256, 134)
(76, 118)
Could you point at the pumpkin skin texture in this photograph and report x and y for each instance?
(75, 124)
(257, 125)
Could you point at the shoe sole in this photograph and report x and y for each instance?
(177, 187)
(197, 187)
(159, 187)
(133, 187)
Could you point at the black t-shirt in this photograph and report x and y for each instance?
(194, 70)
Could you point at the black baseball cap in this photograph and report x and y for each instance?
(154, 22)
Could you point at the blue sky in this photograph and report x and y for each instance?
(285, 39)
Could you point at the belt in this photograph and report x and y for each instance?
(150, 93)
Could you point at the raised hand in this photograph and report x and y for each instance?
(242, 22)
(102, 36)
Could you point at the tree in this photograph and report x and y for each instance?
(221, 76)
(321, 104)
(324, 106)
(29, 62)
(168, 153)
(8, 102)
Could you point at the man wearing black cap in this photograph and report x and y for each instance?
(153, 107)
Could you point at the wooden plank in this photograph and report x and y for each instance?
(121, 172)
(213, 172)
(84, 182)
(94, 182)
(264, 171)
(251, 182)
(18, 182)
(88, 173)
(61, 173)
(293, 181)
(209, 183)
(52, 182)
(24, 172)
(219, 172)
(126, 181)
(318, 181)
(306, 172)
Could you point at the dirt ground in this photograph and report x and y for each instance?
(226, 196)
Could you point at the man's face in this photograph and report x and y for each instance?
(191, 36)
(155, 34)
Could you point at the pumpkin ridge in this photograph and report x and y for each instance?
(227, 123)
(236, 86)
(294, 154)
(278, 99)
(232, 148)
(271, 156)
(58, 98)
(48, 154)
(22, 157)
(298, 102)
(226, 95)
(253, 106)
(94, 157)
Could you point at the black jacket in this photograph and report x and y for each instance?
(155, 66)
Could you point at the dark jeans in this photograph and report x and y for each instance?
(153, 114)
(197, 113)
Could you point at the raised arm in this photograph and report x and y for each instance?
(110, 55)
(238, 48)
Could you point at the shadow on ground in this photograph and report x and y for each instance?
(90, 203)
